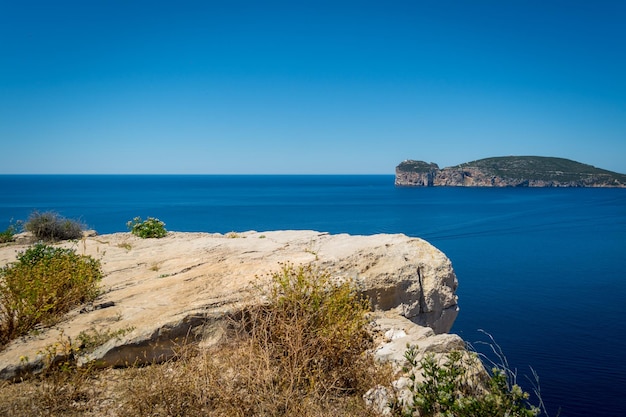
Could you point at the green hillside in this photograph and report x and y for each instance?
(541, 168)
(417, 166)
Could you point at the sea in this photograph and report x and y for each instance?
(541, 270)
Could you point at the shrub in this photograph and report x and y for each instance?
(50, 226)
(149, 228)
(443, 388)
(43, 284)
(8, 234)
(302, 353)
(312, 329)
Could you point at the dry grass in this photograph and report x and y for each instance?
(303, 353)
(57, 393)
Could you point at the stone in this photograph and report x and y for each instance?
(158, 292)
(400, 332)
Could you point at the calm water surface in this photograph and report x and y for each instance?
(539, 269)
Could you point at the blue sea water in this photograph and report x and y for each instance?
(539, 269)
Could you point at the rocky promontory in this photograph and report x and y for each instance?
(508, 171)
(156, 292)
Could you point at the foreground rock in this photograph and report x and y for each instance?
(158, 292)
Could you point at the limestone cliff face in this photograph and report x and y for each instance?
(416, 173)
(514, 171)
(186, 285)
(474, 177)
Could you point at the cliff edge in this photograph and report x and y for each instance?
(185, 285)
(508, 171)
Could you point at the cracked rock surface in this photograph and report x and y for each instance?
(185, 284)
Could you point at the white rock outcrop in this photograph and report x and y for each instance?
(185, 284)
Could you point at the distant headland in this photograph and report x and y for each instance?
(508, 171)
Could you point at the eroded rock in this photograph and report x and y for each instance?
(160, 291)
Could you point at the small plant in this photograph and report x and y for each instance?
(43, 284)
(444, 388)
(149, 228)
(50, 226)
(91, 339)
(125, 245)
(60, 355)
(8, 234)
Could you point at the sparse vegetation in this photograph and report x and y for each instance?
(50, 226)
(417, 166)
(125, 245)
(54, 394)
(303, 352)
(542, 168)
(89, 340)
(9, 233)
(446, 388)
(43, 284)
(149, 228)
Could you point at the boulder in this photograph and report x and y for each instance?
(157, 292)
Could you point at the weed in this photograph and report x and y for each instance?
(43, 284)
(50, 226)
(125, 245)
(312, 252)
(91, 339)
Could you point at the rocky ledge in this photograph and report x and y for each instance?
(508, 171)
(159, 291)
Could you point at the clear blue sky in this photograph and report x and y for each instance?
(296, 87)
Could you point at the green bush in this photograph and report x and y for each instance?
(149, 228)
(50, 226)
(444, 388)
(43, 284)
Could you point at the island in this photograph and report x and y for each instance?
(507, 171)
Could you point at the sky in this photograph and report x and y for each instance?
(299, 87)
